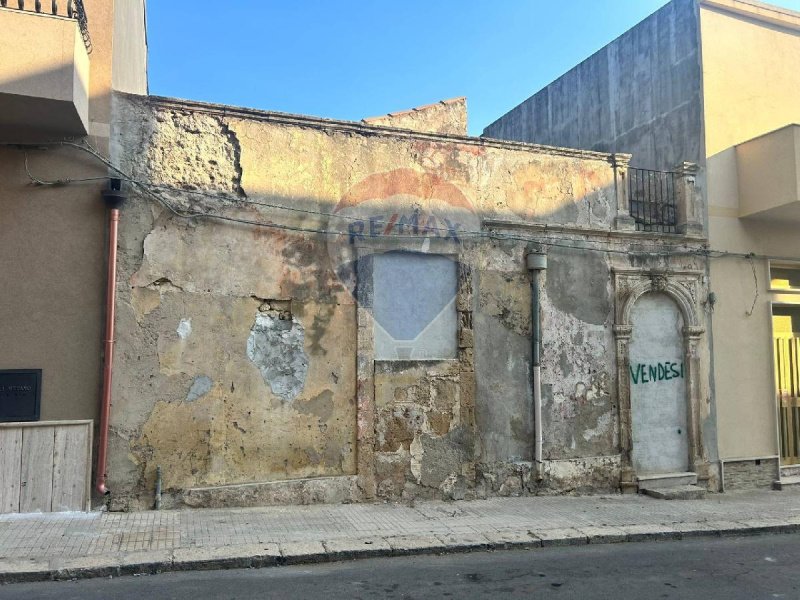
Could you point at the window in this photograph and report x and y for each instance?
(414, 306)
(784, 277)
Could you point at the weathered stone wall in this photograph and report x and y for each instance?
(246, 362)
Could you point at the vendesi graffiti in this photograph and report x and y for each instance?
(650, 373)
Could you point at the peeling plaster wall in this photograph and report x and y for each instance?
(236, 349)
(580, 411)
(244, 359)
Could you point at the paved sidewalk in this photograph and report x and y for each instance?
(67, 545)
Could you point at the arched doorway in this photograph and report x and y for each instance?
(659, 426)
(658, 333)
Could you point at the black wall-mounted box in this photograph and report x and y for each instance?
(20, 395)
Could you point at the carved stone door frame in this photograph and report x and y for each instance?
(683, 288)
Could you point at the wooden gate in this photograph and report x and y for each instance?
(45, 466)
(787, 374)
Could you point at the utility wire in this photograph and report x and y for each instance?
(147, 189)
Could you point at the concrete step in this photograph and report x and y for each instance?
(786, 483)
(790, 471)
(678, 492)
(666, 480)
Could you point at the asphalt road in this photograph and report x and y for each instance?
(730, 568)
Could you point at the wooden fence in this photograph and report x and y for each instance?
(45, 466)
(787, 373)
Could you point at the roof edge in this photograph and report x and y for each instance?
(416, 109)
(225, 110)
(759, 11)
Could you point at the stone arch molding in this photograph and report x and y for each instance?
(683, 288)
(682, 291)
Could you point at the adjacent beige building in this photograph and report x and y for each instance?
(715, 81)
(58, 68)
(751, 74)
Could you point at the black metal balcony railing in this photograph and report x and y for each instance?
(652, 197)
(74, 10)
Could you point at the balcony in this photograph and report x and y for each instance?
(653, 199)
(768, 170)
(44, 70)
(658, 201)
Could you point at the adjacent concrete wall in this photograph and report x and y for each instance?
(751, 73)
(646, 93)
(130, 47)
(640, 94)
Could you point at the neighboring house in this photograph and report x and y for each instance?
(714, 82)
(58, 68)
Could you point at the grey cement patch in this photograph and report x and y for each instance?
(503, 372)
(320, 405)
(184, 328)
(443, 456)
(277, 348)
(577, 284)
(200, 387)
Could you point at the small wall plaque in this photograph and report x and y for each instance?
(20, 395)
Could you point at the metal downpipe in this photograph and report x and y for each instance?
(114, 198)
(536, 262)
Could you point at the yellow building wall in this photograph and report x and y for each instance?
(751, 72)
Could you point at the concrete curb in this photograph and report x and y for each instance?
(309, 552)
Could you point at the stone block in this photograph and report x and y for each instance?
(466, 338)
(150, 562)
(727, 527)
(688, 530)
(680, 492)
(758, 526)
(18, 570)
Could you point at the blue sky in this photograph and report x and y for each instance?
(349, 59)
